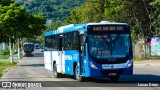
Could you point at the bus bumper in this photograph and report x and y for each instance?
(109, 72)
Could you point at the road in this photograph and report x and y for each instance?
(32, 69)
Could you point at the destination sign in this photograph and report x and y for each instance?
(108, 28)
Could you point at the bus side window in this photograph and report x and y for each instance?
(71, 41)
(60, 44)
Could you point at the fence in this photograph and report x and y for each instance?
(142, 51)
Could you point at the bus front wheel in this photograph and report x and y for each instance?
(76, 76)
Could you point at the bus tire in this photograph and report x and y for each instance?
(55, 73)
(76, 76)
(114, 78)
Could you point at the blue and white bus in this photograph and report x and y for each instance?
(28, 49)
(89, 50)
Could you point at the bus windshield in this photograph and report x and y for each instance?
(28, 47)
(105, 46)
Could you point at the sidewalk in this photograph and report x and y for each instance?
(147, 63)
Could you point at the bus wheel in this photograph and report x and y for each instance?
(55, 73)
(114, 78)
(76, 76)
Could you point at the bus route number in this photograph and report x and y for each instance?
(96, 28)
(108, 28)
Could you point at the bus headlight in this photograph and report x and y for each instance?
(130, 63)
(92, 65)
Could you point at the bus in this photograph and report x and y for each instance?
(28, 49)
(101, 49)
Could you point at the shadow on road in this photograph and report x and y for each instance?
(136, 78)
(125, 81)
(34, 65)
(141, 78)
(35, 55)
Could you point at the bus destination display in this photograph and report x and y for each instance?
(108, 28)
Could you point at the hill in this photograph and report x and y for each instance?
(52, 9)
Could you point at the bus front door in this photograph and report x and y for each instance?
(61, 55)
(82, 55)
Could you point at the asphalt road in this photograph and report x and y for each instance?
(32, 69)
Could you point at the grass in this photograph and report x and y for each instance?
(4, 65)
(4, 56)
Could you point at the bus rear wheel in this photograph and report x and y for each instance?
(55, 73)
(76, 76)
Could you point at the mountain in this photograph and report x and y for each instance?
(52, 9)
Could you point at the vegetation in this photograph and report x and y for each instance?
(5, 65)
(4, 56)
(52, 9)
(155, 16)
(55, 11)
(142, 15)
(16, 23)
(5, 51)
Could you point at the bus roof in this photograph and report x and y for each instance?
(67, 28)
(78, 27)
(106, 22)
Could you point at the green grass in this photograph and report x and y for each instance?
(4, 65)
(4, 56)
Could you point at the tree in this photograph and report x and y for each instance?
(54, 25)
(98, 10)
(16, 23)
(52, 9)
(135, 12)
(155, 16)
(88, 12)
(6, 2)
(143, 16)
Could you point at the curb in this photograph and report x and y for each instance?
(146, 64)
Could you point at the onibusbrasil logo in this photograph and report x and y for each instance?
(16, 85)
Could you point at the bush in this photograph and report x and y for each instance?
(5, 52)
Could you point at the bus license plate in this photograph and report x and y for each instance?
(112, 74)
